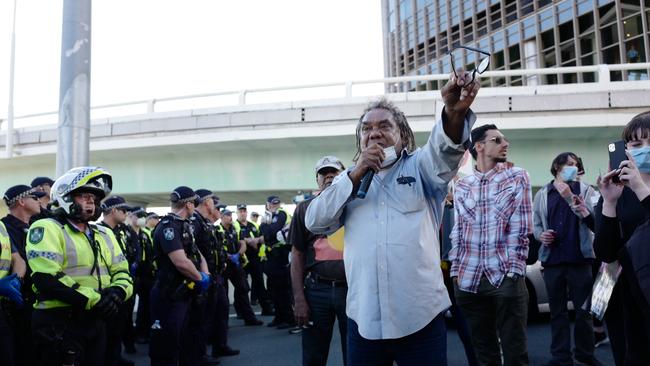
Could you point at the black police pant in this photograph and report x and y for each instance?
(118, 333)
(169, 324)
(216, 329)
(281, 294)
(237, 277)
(143, 320)
(193, 339)
(258, 289)
(59, 335)
(20, 319)
(6, 341)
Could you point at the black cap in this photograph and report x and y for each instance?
(15, 193)
(41, 180)
(152, 215)
(205, 194)
(138, 211)
(273, 199)
(221, 206)
(254, 213)
(241, 206)
(226, 212)
(183, 194)
(115, 202)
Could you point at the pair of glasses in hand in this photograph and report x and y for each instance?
(482, 66)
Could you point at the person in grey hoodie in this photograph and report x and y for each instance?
(563, 223)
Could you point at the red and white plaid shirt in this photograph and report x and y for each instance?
(493, 218)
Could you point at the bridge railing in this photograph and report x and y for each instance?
(340, 89)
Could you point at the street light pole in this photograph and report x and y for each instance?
(9, 146)
(74, 90)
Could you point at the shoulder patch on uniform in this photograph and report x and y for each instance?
(36, 235)
(169, 233)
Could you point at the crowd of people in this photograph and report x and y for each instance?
(74, 257)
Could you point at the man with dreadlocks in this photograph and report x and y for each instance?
(396, 294)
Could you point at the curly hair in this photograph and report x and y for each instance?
(405, 132)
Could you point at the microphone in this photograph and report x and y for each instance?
(365, 183)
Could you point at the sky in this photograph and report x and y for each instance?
(144, 49)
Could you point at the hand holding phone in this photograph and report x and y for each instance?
(616, 157)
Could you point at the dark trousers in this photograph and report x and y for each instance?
(280, 290)
(128, 335)
(460, 322)
(169, 322)
(254, 269)
(20, 319)
(114, 336)
(576, 280)
(59, 335)
(428, 346)
(193, 340)
(218, 309)
(143, 319)
(242, 303)
(495, 314)
(6, 341)
(615, 322)
(326, 304)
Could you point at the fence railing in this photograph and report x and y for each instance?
(242, 96)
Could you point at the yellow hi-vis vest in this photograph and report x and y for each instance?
(66, 254)
(5, 253)
(264, 249)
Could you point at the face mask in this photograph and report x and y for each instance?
(141, 222)
(391, 156)
(569, 173)
(641, 158)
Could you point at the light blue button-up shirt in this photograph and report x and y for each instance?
(392, 252)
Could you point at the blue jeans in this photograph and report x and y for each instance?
(326, 304)
(428, 346)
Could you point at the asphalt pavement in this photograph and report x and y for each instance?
(266, 346)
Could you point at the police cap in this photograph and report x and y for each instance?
(226, 213)
(273, 199)
(183, 194)
(115, 202)
(17, 192)
(241, 206)
(40, 181)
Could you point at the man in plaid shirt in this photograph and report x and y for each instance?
(489, 249)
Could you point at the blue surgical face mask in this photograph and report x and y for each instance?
(641, 158)
(569, 173)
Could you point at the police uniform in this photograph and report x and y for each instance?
(80, 278)
(145, 274)
(122, 331)
(236, 275)
(172, 291)
(6, 333)
(254, 267)
(276, 266)
(19, 317)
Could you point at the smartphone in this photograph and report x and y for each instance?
(616, 156)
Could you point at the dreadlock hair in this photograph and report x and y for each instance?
(405, 132)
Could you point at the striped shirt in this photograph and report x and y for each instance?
(493, 213)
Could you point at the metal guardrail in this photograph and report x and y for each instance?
(603, 72)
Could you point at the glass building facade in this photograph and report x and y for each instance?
(419, 34)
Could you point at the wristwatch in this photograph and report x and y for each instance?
(513, 276)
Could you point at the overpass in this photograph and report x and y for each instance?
(246, 151)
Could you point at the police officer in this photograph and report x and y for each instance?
(182, 273)
(80, 274)
(275, 225)
(43, 184)
(23, 203)
(9, 291)
(236, 249)
(115, 211)
(249, 232)
(215, 310)
(144, 272)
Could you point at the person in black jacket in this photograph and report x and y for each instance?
(622, 209)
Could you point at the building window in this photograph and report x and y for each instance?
(511, 11)
(585, 6)
(564, 12)
(546, 19)
(495, 16)
(586, 23)
(632, 27)
(526, 7)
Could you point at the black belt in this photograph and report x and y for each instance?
(328, 281)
